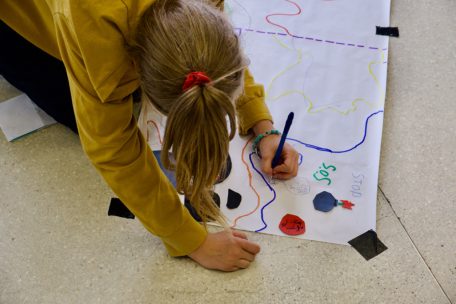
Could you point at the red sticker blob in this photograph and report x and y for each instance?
(347, 204)
(292, 225)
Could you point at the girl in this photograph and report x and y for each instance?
(187, 60)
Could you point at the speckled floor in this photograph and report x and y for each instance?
(58, 246)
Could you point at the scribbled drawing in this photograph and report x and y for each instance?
(275, 81)
(298, 185)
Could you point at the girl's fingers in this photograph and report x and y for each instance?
(282, 176)
(248, 256)
(239, 234)
(282, 168)
(249, 246)
(243, 264)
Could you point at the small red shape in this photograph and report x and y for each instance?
(292, 225)
(347, 204)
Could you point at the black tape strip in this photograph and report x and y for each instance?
(368, 244)
(117, 208)
(388, 31)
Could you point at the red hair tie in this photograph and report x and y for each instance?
(195, 78)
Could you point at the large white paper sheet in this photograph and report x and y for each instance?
(322, 60)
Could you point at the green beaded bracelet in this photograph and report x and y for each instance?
(256, 142)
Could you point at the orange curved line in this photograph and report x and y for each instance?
(250, 184)
(158, 131)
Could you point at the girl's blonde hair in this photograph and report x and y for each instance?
(174, 38)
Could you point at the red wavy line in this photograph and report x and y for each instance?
(158, 131)
(284, 14)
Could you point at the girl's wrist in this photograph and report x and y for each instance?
(259, 138)
(262, 127)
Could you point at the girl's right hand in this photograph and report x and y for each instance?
(226, 250)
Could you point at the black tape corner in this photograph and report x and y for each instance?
(117, 208)
(368, 244)
(387, 31)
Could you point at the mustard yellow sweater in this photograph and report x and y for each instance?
(90, 37)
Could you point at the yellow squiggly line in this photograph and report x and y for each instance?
(310, 108)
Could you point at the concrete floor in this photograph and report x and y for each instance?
(58, 246)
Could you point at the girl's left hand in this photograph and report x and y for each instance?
(289, 159)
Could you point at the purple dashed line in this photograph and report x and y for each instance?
(314, 39)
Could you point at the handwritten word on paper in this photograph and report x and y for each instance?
(357, 183)
(324, 173)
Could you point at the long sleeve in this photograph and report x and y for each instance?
(102, 79)
(90, 37)
(251, 106)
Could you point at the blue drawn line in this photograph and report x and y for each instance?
(270, 188)
(340, 151)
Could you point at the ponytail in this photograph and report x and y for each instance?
(174, 38)
(197, 132)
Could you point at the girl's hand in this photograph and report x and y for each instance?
(288, 164)
(226, 250)
(289, 159)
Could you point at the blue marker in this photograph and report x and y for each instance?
(275, 160)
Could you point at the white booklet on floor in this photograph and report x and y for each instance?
(19, 116)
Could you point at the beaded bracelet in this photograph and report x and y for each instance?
(256, 142)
